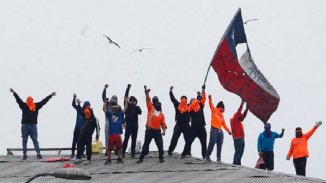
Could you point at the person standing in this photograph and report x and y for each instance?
(29, 120)
(78, 125)
(132, 111)
(115, 119)
(265, 145)
(88, 127)
(299, 149)
(238, 133)
(197, 128)
(216, 133)
(182, 119)
(107, 107)
(155, 122)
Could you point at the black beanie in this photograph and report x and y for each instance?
(220, 104)
(298, 128)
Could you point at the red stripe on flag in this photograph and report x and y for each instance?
(234, 79)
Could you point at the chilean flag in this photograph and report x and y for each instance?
(242, 77)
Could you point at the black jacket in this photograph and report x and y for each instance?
(30, 117)
(198, 118)
(89, 125)
(180, 118)
(131, 115)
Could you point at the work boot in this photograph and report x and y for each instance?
(169, 153)
(119, 160)
(39, 156)
(24, 157)
(161, 160)
(108, 161)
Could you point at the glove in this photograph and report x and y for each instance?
(129, 85)
(287, 158)
(318, 123)
(203, 87)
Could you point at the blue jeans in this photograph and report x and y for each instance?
(216, 137)
(239, 145)
(31, 130)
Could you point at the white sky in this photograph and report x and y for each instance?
(58, 46)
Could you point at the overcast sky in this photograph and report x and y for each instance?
(48, 46)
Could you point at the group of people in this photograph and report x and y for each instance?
(189, 121)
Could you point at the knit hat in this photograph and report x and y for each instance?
(220, 104)
(86, 103)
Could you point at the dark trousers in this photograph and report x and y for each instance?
(300, 165)
(216, 137)
(75, 140)
(30, 130)
(130, 131)
(195, 132)
(84, 140)
(157, 136)
(268, 157)
(239, 145)
(178, 129)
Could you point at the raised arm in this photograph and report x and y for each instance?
(126, 104)
(211, 103)
(45, 100)
(244, 115)
(127, 94)
(74, 101)
(311, 132)
(203, 99)
(173, 99)
(104, 92)
(280, 135)
(18, 99)
(148, 99)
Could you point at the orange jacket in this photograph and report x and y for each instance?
(299, 145)
(154, 121)
(217, 120)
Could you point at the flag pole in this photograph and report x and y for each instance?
(218, 46)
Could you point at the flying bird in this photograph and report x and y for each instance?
(112, 42)
(140, 50)
(249, 21)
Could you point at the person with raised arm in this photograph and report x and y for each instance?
(154, 124)
(182, 120)
(299, 149)
(132, 111)
(29, 120)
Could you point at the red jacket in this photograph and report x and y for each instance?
(236, 123)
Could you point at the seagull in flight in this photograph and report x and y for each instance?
(249, 21)
(112, 42)
(140, 50)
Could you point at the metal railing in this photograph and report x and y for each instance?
(10, 150)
